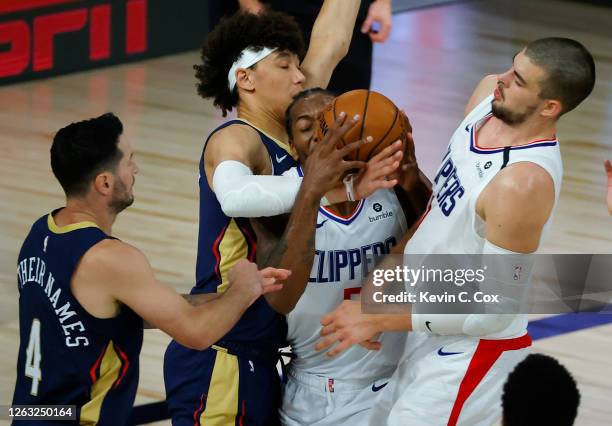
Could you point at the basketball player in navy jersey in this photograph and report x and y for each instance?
(83, 295)
(494, 194)
(254, 63)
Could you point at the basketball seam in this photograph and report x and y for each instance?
(363, 117)
(334, 111)
(386, 134)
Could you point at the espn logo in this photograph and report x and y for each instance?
(28, 44)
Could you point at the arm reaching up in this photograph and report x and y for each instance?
(330, 40)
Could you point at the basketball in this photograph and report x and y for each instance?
(380, 118)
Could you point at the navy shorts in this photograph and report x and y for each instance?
(221, 385)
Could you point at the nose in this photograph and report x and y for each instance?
(136, 168)
(299, 77)
(505, 78)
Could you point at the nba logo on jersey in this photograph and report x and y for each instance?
(330, 385)
(517, 272)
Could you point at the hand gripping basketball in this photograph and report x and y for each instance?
(328, 160)
(408, 173)
(380, 119)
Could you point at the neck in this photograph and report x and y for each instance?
(79, 210)
(518, 134)
(344, 209)
(264, 119)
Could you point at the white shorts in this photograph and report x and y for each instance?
(315, 400)
(449, 380)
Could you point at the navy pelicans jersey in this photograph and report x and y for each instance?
(67, 356)
(224, 240)
(344, 253)
(450, 223)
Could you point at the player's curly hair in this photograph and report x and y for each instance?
(228, 39)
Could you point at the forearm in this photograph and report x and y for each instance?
(330, 40)
(390, 262)
(216, 317)
(200, 299)
(297, 256)
(336, 22)
(242, 194)
(420, 194)
(193, 299)
(393, 322)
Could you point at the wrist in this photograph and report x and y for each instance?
(310, 190)
(311, 196)
(242, 296)
(394, 322)
(336, 195)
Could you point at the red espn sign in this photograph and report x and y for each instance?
(32, 44)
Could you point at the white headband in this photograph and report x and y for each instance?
(248, 57)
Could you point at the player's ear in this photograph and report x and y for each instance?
(103, 183)
(244, 80)
(552, 109)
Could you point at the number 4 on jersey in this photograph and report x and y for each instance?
(32, 366)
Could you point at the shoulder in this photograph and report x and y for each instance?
(111, 257)
(485, 88)
(237, 134)
(522, 189)
(524, 178)
(238, 142)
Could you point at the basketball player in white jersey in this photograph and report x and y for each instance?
(608, 167)
(494, 193)
(348, 238)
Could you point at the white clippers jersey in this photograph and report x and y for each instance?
(450, 224)
(342, 245)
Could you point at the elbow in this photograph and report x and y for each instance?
(340, 46)
(343, 46)
(283, 307)
(285, 310)
(197, 340)
(229, 210)
(334, 46)
(232, 205)
(201, 343)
